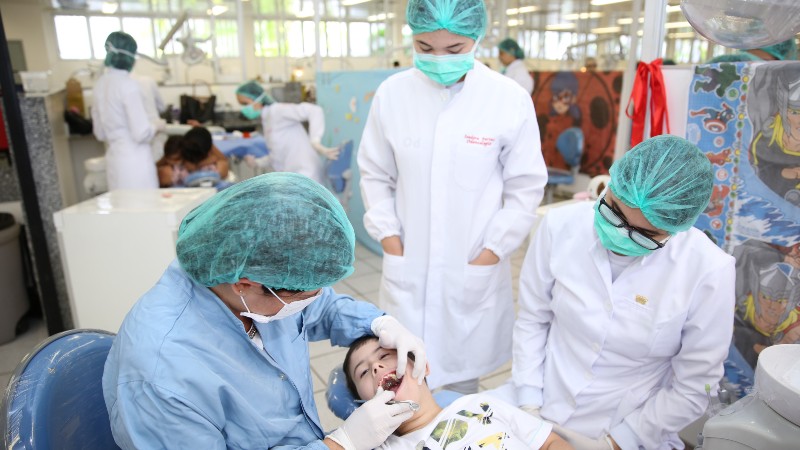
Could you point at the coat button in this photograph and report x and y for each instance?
(595, 347)
(608, 305)
(283, 376)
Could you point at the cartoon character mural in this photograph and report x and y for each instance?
(775, 150)
(754, 211)
(585, 100)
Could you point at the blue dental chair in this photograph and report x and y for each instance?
(342, 404)
(570, 144)
(55, 396)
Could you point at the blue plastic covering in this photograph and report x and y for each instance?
(342, 404)
(55, 397)
(242, 147)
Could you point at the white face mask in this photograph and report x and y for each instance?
(287, 310)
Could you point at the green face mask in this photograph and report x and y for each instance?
(250, 112)
(616, 239)
(445, 69)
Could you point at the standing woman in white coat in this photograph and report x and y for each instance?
(451, 175)
(626, 311)
(291, 147)
(120, 119)
(513, 59)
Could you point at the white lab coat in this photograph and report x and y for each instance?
(288, 142)
(154, 105)
(120, 120)
(452, 175)
(629, 357)
(518, 72)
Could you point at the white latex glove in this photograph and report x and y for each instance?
(328, 152)
(581, 442)
(532, 410)
(371, 423)
(160, 125)
(260, 162)
(392, 334)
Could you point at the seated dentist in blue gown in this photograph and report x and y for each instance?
(216, 354)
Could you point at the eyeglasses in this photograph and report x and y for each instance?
(634, 233)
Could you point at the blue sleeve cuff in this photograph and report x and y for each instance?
(625, 437)
(317, 445)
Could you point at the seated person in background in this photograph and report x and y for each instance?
(199, 154)
(471, 422)
(191, 159)
(171, 172)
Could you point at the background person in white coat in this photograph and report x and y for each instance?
(291, 147)
(451, 174)
(120, 119)
(513, 60)
(154, 105)
(626, 311)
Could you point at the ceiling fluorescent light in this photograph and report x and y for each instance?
(217, 10)
(353, 2)
(380, 17)
(607, 2)
(671, 25)
(582, 16)
(305, 13)
(515, 23)
(628, 20)
(606, 30)
(109, 7)
(682, 35)
(673, 8)
(560, 27)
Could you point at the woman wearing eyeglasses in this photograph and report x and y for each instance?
(626, 311)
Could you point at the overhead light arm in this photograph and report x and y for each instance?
(178, 24)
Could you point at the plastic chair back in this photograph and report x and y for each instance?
(337, 168)
(55, 396)
(342, 403)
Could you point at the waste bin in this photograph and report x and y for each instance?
(14, 299)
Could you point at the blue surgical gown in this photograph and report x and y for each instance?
(182, 373)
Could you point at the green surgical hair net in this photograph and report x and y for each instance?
(734, 57)
(251, 90)
(784, 51)
(280, 229)
(668, 178)
(120, 51)
(462, 17)
(511, 47)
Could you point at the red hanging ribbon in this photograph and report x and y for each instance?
(648, 75)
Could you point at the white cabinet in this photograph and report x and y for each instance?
(115, 247)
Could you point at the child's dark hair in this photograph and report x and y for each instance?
(172, 147)
(196, 144)
(358, 343)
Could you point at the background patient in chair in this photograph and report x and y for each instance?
(470, 422)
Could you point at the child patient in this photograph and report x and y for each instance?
(471, 422)
(190, 159)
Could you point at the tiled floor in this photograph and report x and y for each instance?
(362, 284)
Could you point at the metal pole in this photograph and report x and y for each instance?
(623, 122)
(38, 239)
(240, 35)
(317, 16)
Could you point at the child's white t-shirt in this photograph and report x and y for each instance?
(476, 422)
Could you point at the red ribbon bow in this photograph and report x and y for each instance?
(648, 75)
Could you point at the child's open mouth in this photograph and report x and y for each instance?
(390, 382)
